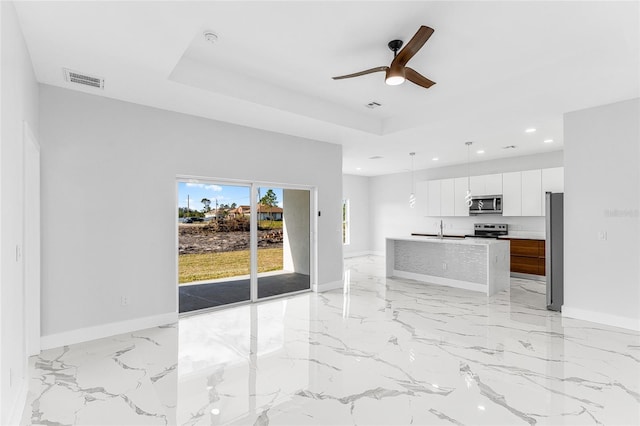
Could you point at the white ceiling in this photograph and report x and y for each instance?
(500, 67)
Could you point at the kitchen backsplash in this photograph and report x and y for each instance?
(464, 225)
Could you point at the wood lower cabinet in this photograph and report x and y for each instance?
(527, 256)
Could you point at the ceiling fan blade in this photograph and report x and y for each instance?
(417, 78)
(357, 74)
(411, 48)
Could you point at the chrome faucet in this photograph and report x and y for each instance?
(441, 234)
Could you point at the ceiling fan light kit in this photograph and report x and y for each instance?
(398, 72)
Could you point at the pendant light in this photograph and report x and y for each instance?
(467, 198)
(412, 195)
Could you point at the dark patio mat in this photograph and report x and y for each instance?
(201, 296)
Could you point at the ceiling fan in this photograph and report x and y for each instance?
(398, 72)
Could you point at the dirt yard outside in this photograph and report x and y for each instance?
(205, 253)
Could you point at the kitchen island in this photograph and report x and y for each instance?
(474, 263)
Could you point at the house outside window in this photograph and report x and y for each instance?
(346, 231)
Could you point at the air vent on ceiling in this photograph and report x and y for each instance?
(373, 104)
(375, 157)
(84, 79)
(509, 147)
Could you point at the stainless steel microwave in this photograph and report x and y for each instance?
(485, 204)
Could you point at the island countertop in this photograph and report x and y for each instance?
(478, 264)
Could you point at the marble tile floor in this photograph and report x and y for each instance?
(380, 352)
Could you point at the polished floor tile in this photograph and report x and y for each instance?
(380, 352)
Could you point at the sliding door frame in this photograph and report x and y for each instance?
(253, 185)
(313, 228)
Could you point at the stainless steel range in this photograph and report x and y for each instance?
(489, 230)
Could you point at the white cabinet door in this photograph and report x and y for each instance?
(532, 193)
(421, 197)
(493, 184)
(512, 194)
(460, 191)
(477, 185)
(553, 179)
(433, 200)
(447, 197)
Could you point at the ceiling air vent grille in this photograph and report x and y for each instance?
(373, 105)
(84, 79)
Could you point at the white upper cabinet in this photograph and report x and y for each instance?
(512, 194)
(522, 192)
(433, 198)
(460, 208)
(552, 181)
(421, 197)
(486, 184)
(532, 193)
(493, 184)
(447, 197)
(477, 185)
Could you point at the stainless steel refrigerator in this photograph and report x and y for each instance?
(554, 248)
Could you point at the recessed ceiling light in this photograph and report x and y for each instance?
(210, 36)
(358, 168)
(548, 140)
(530, 130)
(215, 411)
(480, 151)
(434, 159)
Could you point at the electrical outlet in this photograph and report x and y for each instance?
(602, 235)
(18, 253)
(124, 300)
(444, 266)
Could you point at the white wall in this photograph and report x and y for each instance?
(602, 194)
(109, 201)
(391, 215)
(19, 103)
(356, 190)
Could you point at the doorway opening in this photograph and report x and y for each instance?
(240, 242)
(284, 216)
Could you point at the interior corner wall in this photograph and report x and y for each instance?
(19, 103)
(296, 232)
(602, 195)
(109, 198)
(356, 190)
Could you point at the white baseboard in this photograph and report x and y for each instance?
(358, 254)
(17, 408)
(601, 318)
(111, 329)
(430, 279)
(319, 288)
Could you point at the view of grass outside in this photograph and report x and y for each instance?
(209, 266)
(213, 231)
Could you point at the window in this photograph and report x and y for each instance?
(346, 237)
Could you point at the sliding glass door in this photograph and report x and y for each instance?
(240, 242)
(284, 260)
(214, 251)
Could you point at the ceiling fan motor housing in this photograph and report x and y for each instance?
(395, 45)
